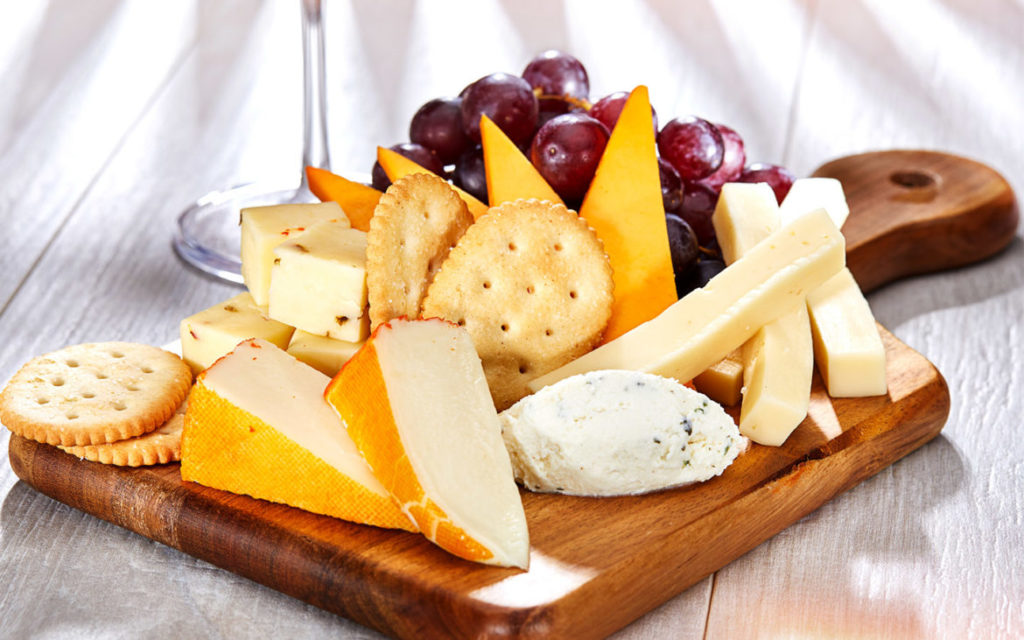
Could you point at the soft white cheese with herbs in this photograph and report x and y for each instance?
(614, 432)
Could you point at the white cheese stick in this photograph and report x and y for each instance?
(847, 347)
(778, 361)
(708, 323)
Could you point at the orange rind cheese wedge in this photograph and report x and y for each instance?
(510, 174)
(397, 166)
(357, 200)
(257, 425)
(416, 403)
(624, 207)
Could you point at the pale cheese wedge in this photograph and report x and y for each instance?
(847, 346)
(416, 403)
(708, 323)
(257, 424)
(778, 361)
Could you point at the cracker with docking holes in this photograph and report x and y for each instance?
(532, 284)
(416, 223)
(159, 446)
(94, 393)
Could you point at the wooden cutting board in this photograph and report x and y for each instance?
(596, 563)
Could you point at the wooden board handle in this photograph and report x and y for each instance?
(914, 212)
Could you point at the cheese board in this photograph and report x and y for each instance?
(596, 563)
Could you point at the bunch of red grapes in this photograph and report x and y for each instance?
(547, 113)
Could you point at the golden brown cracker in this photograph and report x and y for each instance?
(532, 284)
(160, 446)
(416, 223)
(94, 393)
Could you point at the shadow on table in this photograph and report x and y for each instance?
(901, 301)
(65, 573)
(847, 570)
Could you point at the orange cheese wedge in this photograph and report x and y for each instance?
(624, 207)
(397, 166)
(416, 403)
(510, 174)
(257, 424)
(357, 200)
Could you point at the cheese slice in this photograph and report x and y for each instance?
(625, 209)
(357, 200)
(257, 424)
(707, 324)
(263, 228)
(723, 381)
(510, 174)
(416, 403)
(326, 355)
(778, 362)
(318, 282)
(212, 333)
(847, 347)
(397, 166)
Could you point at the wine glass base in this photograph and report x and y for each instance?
(208, 236)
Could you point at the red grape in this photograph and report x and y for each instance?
(682, 243)
(693, 146)
(504, 98)
(558, 74)
(470, 173)
(608, 109)
(415, 152)
(778, 178)
(437, 125)
(566, 151)
(671, 186)
(698, 205)
(733, 159)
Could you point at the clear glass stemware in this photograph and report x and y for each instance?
(207, 236)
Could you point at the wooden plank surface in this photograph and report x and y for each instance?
(596, 564)
(925, 549)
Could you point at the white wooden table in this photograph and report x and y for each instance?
(114, 114)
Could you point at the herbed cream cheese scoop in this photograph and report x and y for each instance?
(611, 432)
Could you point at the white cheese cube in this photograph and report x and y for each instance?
(723, 381)
(326, 355)
(263, 228)
(214, 332)
(318, 282)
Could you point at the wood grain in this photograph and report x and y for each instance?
(920, 211)
(596, 564)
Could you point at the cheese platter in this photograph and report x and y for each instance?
(595, 564)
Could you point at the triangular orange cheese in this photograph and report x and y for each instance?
(510, 174)
(397, 166)
(357, 200)
(416, 403)
(624, 207)
(257, 424)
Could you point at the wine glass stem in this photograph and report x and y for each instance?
(314, 95)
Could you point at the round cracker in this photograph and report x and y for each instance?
(532, 284)
(160, 446)
(94, 393)
(416, 223)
